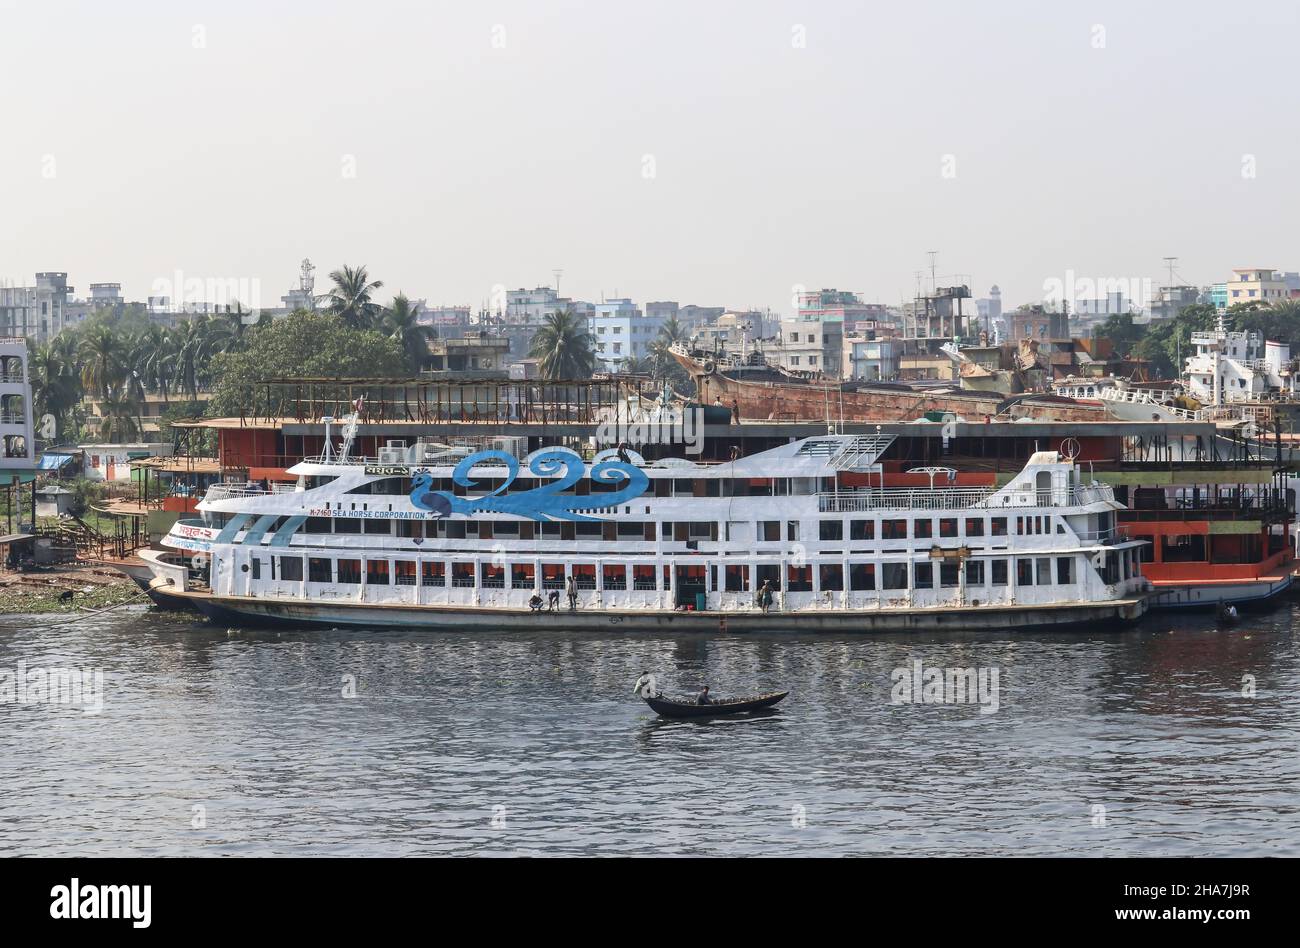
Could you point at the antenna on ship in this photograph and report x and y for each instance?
(350, 428)
(325, 455)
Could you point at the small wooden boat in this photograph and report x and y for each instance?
(1226, 614)
(684, 708)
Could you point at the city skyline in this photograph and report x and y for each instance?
(724, 157)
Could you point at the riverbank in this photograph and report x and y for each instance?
(92, 587)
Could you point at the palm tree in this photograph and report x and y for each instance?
(671, 333)
(229, 333)
(349, 298)
(633, 365)
(103, 359)
(564, 347)
(56, 388)
(401, 323)
(120, 413)
(195, 345)
(154, 356)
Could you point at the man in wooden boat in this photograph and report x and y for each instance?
(703, 696)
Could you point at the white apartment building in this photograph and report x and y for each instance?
(39, 310)
(869, 360)
(17, 441)
(621, 331)
(807, 347)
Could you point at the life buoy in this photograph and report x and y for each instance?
(709, 367)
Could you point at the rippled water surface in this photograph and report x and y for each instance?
(533, 744)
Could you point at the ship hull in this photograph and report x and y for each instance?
(142, 574)
(1210, 595)
(259, 611)
(783, 401)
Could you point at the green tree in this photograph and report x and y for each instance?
(153, 357)
(564, 347)
(121, 416)
(196, 344)
(401, 324)
(1279, 322)
(350, 298)
(228, 329)
(665, 367)
(103, 354)
(303, 344)
(56, 385)
(633, 365)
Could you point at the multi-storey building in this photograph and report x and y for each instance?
(17, 440)
(530, 307)
(868, 359)
(39, 310)
(692, 317)
(1217, 295)
(1257, 284)
(443, 318)
(808, 347)
(621, 331)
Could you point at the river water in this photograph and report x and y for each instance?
(215, 741)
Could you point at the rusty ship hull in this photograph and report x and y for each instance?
(784, 401)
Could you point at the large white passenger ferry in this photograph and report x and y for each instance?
(427, 536)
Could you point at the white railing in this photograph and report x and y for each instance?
(226, 491)
(957, 498)
(1138, 396)
(860, 452)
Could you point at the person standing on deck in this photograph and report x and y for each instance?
(765, 595)
(572, 589)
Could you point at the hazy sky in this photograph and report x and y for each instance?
(709, 152)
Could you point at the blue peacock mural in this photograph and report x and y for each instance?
(547, 502)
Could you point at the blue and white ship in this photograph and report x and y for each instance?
(434, 537)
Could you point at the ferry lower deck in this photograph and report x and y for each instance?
(269, 611)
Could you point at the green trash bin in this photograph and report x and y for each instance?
(699, 602)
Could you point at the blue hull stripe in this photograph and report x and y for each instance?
(227, 534)
(254, 536)
(285, 533)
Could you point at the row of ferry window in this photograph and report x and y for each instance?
(659, 486)
(767, 531)
(1029, 571)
